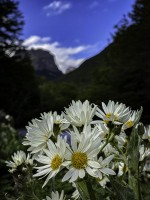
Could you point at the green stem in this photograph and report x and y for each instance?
(86, 190)
(32, 188)
(135, 185)
(133, 163)
(104, 145)
(122, 154)
(34, 196)
(109, 139)
(90, 190)
(139, 185)
(53, 184)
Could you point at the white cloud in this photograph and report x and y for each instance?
(56, 7)
(64, 56)
(34, 39)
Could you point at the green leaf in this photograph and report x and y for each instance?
(133, 162)
(122, 192)
(133, 150)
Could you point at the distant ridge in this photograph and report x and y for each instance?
(44, 64)
(84, 73)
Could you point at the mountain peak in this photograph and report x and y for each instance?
(44, 63)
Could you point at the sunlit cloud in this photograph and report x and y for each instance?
(34, 39)
(56, 7)
(65, 57)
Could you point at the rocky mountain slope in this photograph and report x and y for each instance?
(44, 64)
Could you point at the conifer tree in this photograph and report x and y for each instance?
(129, 58)
(140, 12)
(11, 24)
(18, 87)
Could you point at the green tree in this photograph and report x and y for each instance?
(54, 95)
(11, 24)
(18, 87)
(129, 58)
(140, 12)
(122, 70)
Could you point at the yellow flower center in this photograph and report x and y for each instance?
(46, 137)
(57, 122)
(56, 162)
(129, 123)
(79, 160)
(99, 179)
(108, 115)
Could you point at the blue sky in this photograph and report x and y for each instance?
(72, 30)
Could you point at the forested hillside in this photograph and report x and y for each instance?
(121, 71)
(18, 86)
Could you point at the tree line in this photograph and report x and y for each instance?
(122, 75)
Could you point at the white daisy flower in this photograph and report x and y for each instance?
(29, 160)
(53, 161)
(109, 149)
(19, 158)
(122, 168)
(80, 157)
(144, 152)
(121, 139)
(103, 130)
(56, 196)
(132, 118)
(79, 113)
(103, 181)
(76, 193)
(146, 167)
(116, 113)
(88, 131)
(146, 135)
(38, 133)
(58, 120)
(103, 169)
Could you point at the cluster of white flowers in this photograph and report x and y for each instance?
(41, 130)
(117, 113)
(97, 137)
(19, 159)
(79, 114)
(80, 157)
